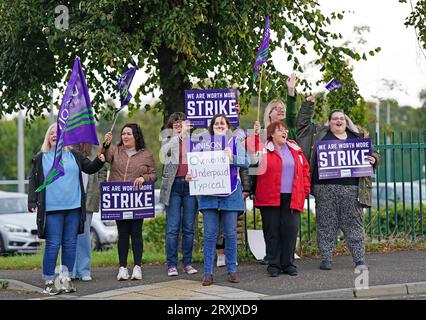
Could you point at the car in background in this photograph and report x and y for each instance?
(159, 207)
(397, 189)
(309, 204)
(103, 233)
(18, 227)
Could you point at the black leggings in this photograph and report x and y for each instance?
(133, 229)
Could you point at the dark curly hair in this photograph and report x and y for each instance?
(137, 133)
(175, 116)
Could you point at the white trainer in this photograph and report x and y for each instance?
(86, 278)
(296, 257)
(137, 273)
(221, 261)
(123, 274)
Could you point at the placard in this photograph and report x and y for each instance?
(121, 201)
(202, 105)
(344, 158)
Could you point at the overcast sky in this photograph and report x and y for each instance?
(400, 59)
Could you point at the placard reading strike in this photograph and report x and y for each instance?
(121, 201)
(202, 105)
(344, 159)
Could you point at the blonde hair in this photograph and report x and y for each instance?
(46, 147)
(268, 110)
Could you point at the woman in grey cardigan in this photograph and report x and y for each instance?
(181, 207)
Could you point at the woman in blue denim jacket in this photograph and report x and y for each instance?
(226, 206)
(181, 207)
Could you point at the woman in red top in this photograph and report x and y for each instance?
(283, 183)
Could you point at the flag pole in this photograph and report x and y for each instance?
(260, 89)
(115, 119)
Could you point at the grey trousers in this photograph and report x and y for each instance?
(337, 207)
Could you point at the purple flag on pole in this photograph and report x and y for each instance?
(75, 123)
(263, 52)
(333, 84)
(124, 83)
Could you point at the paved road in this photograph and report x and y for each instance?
(395, 268)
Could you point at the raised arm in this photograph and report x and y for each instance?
(89, 166)
(291, 113)
(304, 118)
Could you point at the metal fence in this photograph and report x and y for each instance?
(398, 195)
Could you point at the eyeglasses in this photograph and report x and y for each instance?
(281, 130)
(278, 109)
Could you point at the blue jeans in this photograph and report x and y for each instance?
(211, 230)
(182, 208)
(61, 232)
(84, 251)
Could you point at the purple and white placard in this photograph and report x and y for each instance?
(202, 105)
(209, 166)
(344, 158)
(121, 201)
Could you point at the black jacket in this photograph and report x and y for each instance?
(38, 199)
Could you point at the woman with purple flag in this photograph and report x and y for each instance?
(181, 207)
(130, 161)
(59, 218)
(226, 206)
(339, 202)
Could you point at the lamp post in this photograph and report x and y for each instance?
(20, 153)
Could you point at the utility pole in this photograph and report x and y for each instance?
(388, 155)
(378, 120)
(20, 151)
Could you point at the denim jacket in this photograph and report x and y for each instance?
(233, 201)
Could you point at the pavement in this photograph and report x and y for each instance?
(396, 275)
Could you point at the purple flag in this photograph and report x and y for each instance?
(263, 52)
(124, 83)
(333, 84)
(75, 122)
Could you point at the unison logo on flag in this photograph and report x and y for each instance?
(75, 122)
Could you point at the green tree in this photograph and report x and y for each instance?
(8, 149)
(417, 19)
(176, 42)
(33, 138)
(419, 116)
